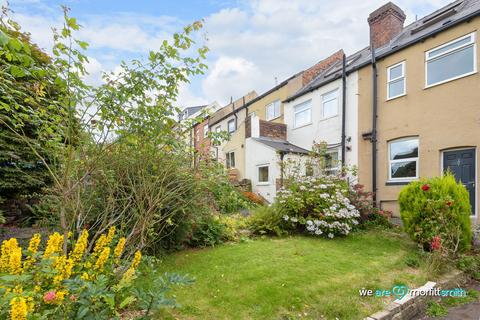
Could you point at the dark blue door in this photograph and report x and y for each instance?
(462, 164)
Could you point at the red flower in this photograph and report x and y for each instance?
(436, 243)
(49, 296)
(425, 187)
(449, 203)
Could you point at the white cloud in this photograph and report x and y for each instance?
(230, 77)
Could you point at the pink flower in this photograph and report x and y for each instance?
(49, 296)
(436, 243)
(425, 187)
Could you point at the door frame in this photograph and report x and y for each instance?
(474, 214)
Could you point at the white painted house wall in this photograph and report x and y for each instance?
(329, 129)
(258, 154)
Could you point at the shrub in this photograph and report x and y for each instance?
(207, 230)
(471, 265)
(318, 205)
(54, 285)
(267, 220)
(436, 214)
(234, 226)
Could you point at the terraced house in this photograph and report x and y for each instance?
(419, 101)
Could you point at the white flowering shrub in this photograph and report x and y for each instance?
(318, 205)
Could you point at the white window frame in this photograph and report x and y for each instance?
(205, 131)
(390, 161)
(328, 100)
(218, 129)
(263, 183)
(234, 125)
(403, 77)
(228, 161)
(473, 43)
(302, 107)
(274, 114)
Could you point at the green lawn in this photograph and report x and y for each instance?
(290, 278)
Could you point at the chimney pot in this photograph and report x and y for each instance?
(385, 23)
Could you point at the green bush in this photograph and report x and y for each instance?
(267, 220)
(471, 265)
(437, 209)
(206, 231)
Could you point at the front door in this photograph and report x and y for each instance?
(462, 164)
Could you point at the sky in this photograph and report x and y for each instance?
(253, 43)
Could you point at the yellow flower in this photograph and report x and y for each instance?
(32, 250)
(63, 266)
(11, 256)
(18, 309)
(128, 275)
(110, 235)
(136, 259)
(119, 248)
(85, 276)
(102, 259)
(54, 245)
(34, 243)
(100, 244)
(18, 289)
(80, 247)
(61, 295)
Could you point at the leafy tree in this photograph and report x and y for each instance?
(28, 105)
(135, 107)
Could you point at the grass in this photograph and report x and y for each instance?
(294, 277)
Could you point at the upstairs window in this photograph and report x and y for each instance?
(451, 61)
(205, 131)
(273, 110)
(230, 160)
(403, 159)
(396, 81)
(231, 126)
(218, 129)
(330, 104)
(302, 114)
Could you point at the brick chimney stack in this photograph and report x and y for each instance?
(385, 23)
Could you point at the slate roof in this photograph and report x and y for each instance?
(439, 20)
(187, 112)
(281, 145)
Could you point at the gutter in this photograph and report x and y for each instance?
(344, 106)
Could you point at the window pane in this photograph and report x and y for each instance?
(396, 72)
(232, 159)
(302, 118)
(218, 129)
(450, 66)
(331, 160)
(452, 45)
(396, 88)
(231, 126)
(276, 105)
(404, 149)
(330, 108)
(405, 169)
(330, 95)
(269, 111)
(263, 174)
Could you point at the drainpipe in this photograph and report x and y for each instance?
(344, 106)
(374, 123)
(282, 154)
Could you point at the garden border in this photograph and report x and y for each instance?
(409, 307)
